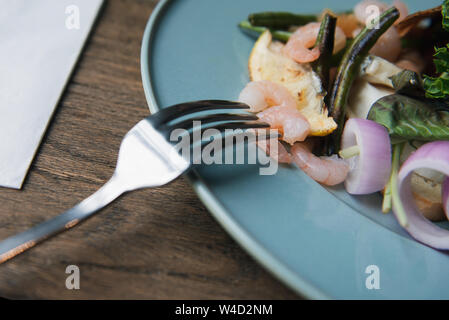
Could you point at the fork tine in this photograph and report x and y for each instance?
(243, 125)
(220, 127)
(181, 109)
(188, 124)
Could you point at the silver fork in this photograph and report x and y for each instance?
(146, 158)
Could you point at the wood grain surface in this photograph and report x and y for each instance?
(150, 244)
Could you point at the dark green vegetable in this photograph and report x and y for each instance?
(336, 58)
(256, 31)
(445, 14)
(438, 87)
(348, 69)
(408, 83)
(279, 20)
(325, 42)
(408, 118)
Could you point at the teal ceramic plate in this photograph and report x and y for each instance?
(318, 241)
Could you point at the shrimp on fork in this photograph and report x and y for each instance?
(278, 108)
(288, 121)
(260, 95)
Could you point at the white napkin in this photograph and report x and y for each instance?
(40, 42)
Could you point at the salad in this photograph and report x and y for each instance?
(361, 98)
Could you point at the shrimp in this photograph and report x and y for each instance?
(300, 41)
(363, 11)
(326, 170)
(402, 8)
(280, 154)
(260, 95)
(388, 46)
(408, 65)
(293, 125)
(347, 23)
(282, 115)
(304, 38)
(411, 60)
(283, 156)
(339, 40)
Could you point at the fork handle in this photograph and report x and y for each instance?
(14, 245)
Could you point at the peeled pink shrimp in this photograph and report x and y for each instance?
(411, 60)
(388, 46)
(362, 12)
(339, 40)
(326, 170)
(304, 38)
(260, 95)
(283, 155)
(408, 65)
(293, 125)
(402, 8)
(300, 42)
(280, 154)
(284, 116)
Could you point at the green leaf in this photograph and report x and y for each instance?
(407, 118)
(445, 14)
(441, 59)
(438, 87)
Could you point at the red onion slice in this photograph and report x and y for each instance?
(435, 156)
(372, 166)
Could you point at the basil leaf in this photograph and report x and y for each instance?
(407, 118)
(437, 87)
(445, 14)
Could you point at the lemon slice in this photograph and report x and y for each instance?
(267, 62)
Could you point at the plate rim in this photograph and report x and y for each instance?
(256, 250)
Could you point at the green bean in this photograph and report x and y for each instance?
(325, 42)
(280, 20)
(348, 69)
(336, 58)
(256, 31)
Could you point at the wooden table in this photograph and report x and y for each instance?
(156, 243)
